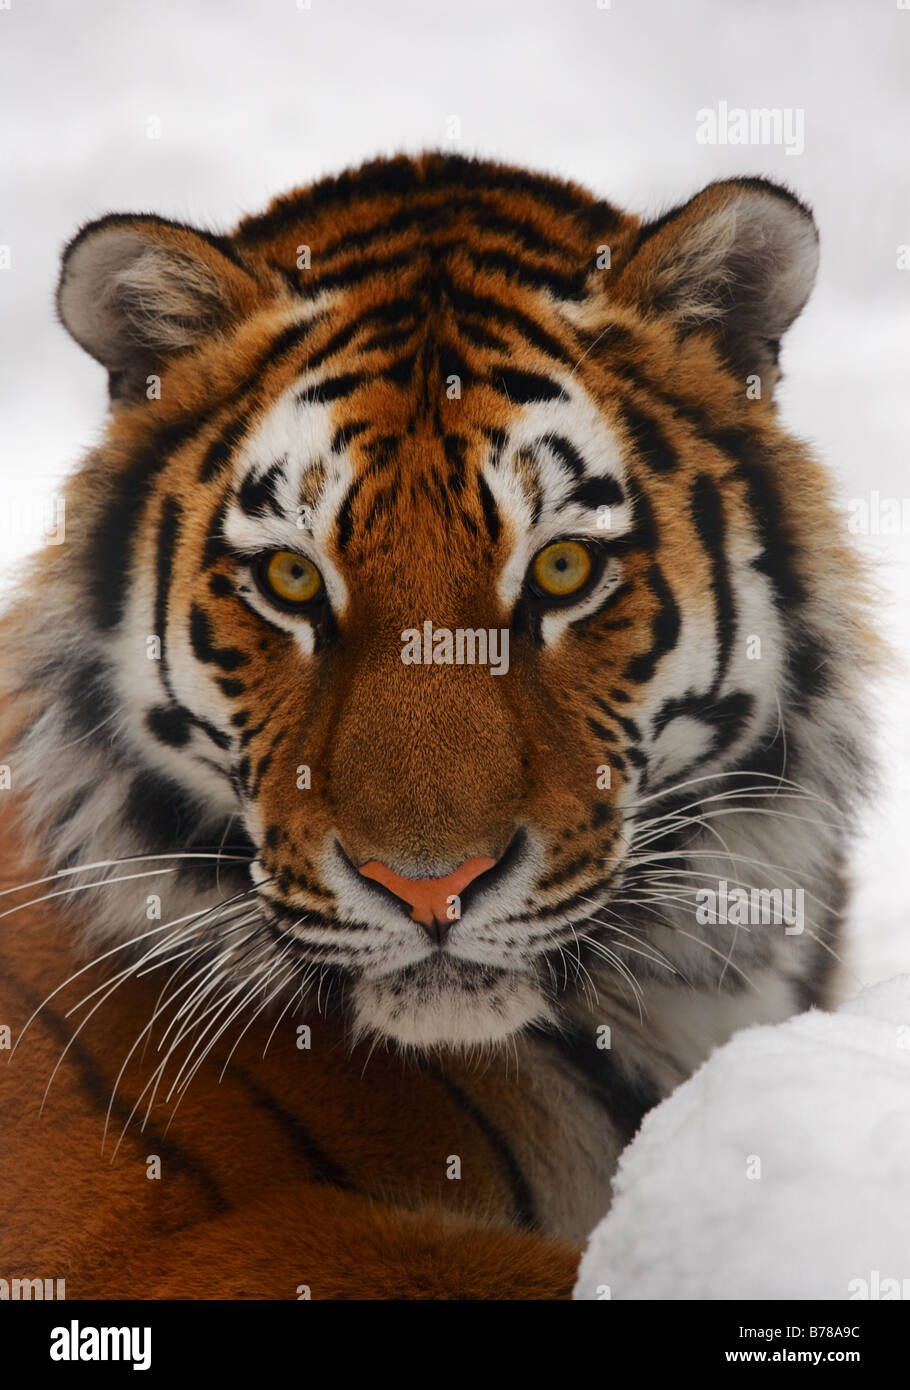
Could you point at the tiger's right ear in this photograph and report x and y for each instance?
(136, 288)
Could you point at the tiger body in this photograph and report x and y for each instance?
(418, 377)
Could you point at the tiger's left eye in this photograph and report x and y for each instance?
(290, 578)
(562, 570)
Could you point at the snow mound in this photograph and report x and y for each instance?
(781, 1169)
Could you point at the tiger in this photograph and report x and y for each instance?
(443, 612)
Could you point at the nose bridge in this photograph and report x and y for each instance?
(425, 764)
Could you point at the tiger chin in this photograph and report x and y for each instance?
(267, 748)
(444, 1003)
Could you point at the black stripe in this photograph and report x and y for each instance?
(626, 1101)
(335, 342)
(111, 538)
(492, 312)
(522, 272)
(400, 373)
(498, 441)
(256, 496)
(524, 388)
(608, 735)
(331, 389)
(94, 1085)
(665, 629)
(598, 492)
(567, 454)
(568, 871)
(345, 433)
(71, 808)
(708, 514)
(170, 724)
(779, 557)
(327, 1170)
(160, 810)
(490, 511)
(455, 449)
(403, 177)
(345, 519)
(644, 534)
(216, 548)
(220, 452)
(808, 665)
(220, 585)
(421, 216)
(553, 914)
(287, 341)
(482, 337)
(627, 725)
(522, 1198)
(262, 767)
(355, 271)
(650, 443)
(389, 339)
(203, 644)
(110, 542)
(605, 348)
(726, 718)
(168, 534)
(252, 732)
(217, 736)
(452, 363)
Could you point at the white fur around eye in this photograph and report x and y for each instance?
(301, 435)
(299, 625)
(579, 421)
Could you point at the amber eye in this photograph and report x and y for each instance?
(290, 578)
(562, 569)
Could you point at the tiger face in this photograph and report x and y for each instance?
(423, 567)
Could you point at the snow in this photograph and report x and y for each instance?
(779, 1170)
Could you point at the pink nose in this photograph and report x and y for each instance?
(430, 899)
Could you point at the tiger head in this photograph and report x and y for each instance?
(441, 553)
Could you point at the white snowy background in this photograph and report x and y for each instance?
(252, 97)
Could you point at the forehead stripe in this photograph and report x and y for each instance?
(524, 388)
(345, 433)
(331, 389)
(256, 496)
(598, 492)
(566, 452)
(648, 441)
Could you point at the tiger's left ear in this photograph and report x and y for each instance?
(135, 288)
(739, 258)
